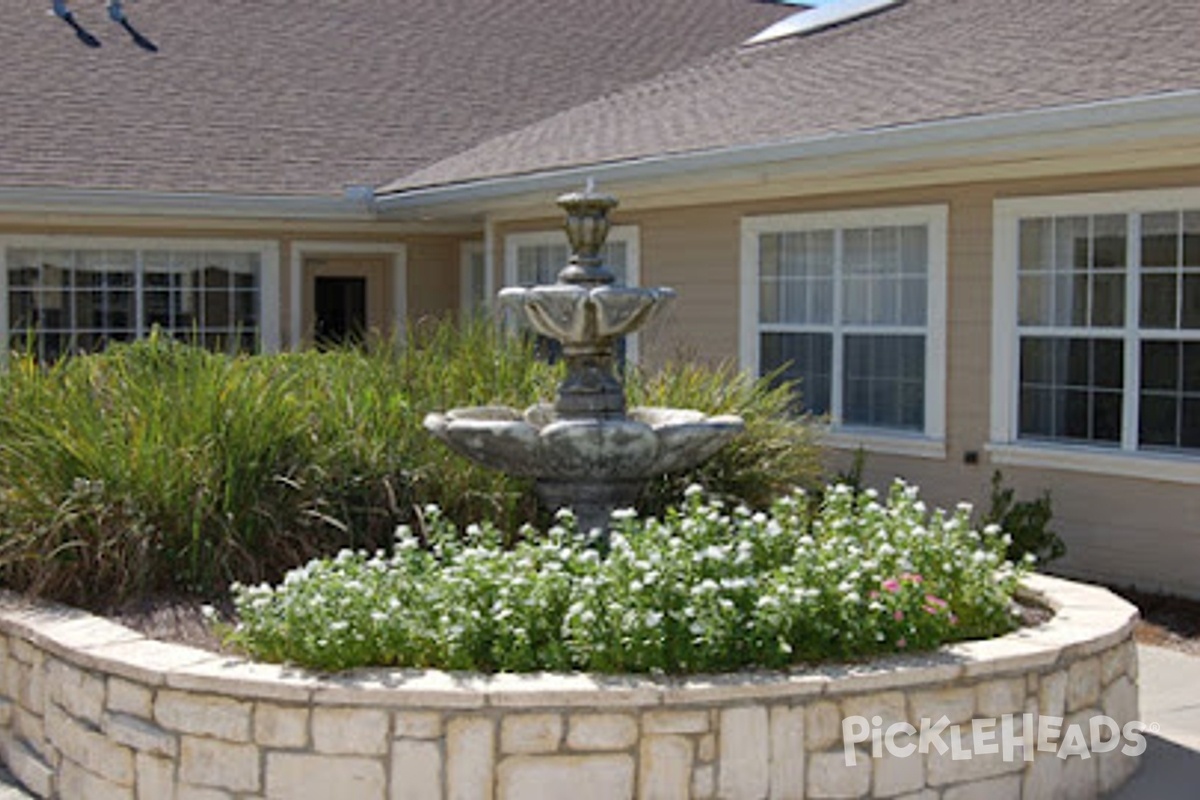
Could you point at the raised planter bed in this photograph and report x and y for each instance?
(91, 710)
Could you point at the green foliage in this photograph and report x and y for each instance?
(1027, 522)
(702, 589)
(158, 467)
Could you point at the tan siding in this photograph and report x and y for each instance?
(1124, 530)
(433, 276)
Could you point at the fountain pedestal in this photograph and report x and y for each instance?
(587, 451)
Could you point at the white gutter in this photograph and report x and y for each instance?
(353, 206)
(1106, 122)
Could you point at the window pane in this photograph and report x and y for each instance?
(1159, 300)
(884, 383)
(1071, 250)
(1160, 240)
(856, 251)
(1109, 243)
(1159, 425)
(1070, 389)
(1108, 301)
(1170, 391)
(1190, 310)
(1191, 239)
(805, 358)
(1037, 244)
(1036, 301)
(1160, 365)
(914, 250)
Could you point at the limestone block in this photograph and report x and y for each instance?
(822, 725)
(469, 758)
(530, 733)
(31, 685)
(418, 725)
(30, 727)
(666, 768)
(77, 783)
(303, 776)
(126, 697)
(744, 753)
(89, 748)
(656, 722)
(706, 750)
(1113, 769)
(350, 731)
(896, 774)
(594, 732)
(890, 707)
(943, 768)
(787, 753)
(603, 777)
(829, 776)
(203, 715)
(416, 770)
(1042, 777)
(80, 694)
(1052, 695)
(187, 792)
(221, 765)
(140, 734)
(1083, 684)
(1080, 779)
(1120, 700)
(26, 765)
(280, 726)
(704, 783)
(155, 777)
(1005, 788)
(6, 712)
(956, 704)
(997, 698)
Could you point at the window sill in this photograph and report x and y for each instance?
(1096, 461)
(895, 444)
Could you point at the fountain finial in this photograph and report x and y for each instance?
(587, 229)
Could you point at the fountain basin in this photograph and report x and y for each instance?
(581, 315)
(537, 444)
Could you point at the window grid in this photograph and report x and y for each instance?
(1160, 313)
(885, 394)
(73, 300)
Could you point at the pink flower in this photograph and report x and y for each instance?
(873, 594)
(912, 577)
(892, 585)
(929, 609)
(902, 643)
(935, 601)
(898, 615)
(953, 619)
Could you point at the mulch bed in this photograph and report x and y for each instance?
(1167, 621)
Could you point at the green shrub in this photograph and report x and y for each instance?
(1027, 522)
(703, 589)
(158, 467)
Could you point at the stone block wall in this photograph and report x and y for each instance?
(91, 711)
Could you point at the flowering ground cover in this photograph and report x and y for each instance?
(704, 587)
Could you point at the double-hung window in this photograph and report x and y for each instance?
(851, 307)
(76, 296)
(1097, 331)
(536, 258)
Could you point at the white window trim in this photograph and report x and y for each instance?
(927, 444)
(467, 253)
(303, 249)
(268, 252)
(1005, 447)
(627, 234)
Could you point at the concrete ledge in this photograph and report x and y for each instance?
(93, 709)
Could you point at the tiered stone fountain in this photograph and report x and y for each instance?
(587, 451)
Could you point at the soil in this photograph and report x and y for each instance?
(1172, 622)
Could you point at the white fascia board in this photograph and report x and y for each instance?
(1091, 124)
(182, 204)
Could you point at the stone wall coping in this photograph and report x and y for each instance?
(1087, 620)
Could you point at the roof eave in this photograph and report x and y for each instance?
(1104, 121)
(351, 208)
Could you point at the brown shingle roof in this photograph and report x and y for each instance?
(286, 97)
(922, 61)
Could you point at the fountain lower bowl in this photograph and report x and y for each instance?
(648, 441)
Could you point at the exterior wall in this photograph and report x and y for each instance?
(1126, 531)
(91, 711)
(432, 260)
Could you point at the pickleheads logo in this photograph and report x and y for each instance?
(989, 737)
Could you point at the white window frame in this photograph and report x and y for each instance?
(304, 249)
(1005, 445)
(268, 253)
(468, 252)
(929, 443)
(628, 235)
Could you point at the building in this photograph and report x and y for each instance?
(970, 227)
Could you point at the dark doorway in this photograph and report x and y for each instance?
(340, 305)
